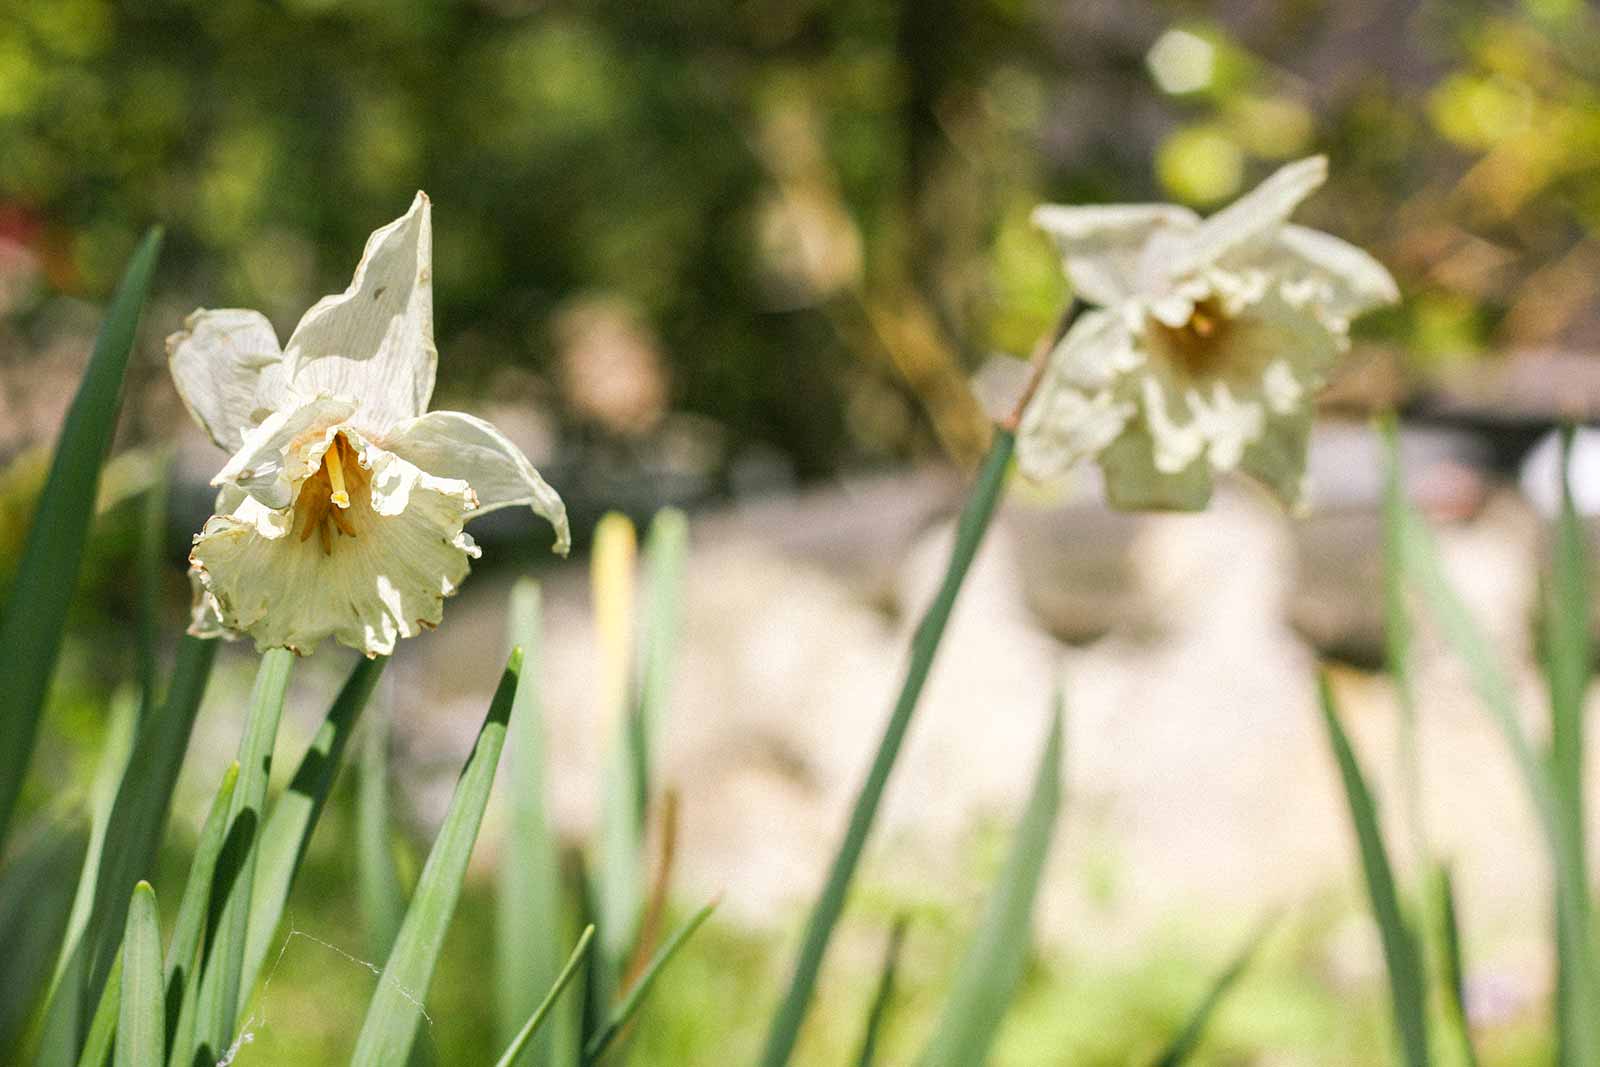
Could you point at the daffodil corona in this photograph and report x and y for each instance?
(340, 513)
(1204, 345)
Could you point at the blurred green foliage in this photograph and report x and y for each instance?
(775, 190)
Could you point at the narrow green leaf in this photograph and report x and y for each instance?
(234, 883)
(1568, 655)
(383, 903)
(391, 1023)
(1188, 1039)
(1455, 972)
(1580, 973)
(141, 1023)
(294, 815)
(64, 1015)
(998, 954)
(36, 611)
(1398, 639)
(103, 1026)
(666, 549)
(924, 644)
(183, 951)
(139, 815)
(152, 535)
(531, 1027)
(529, 895)
(35, 900)
(624, 1012)
(1407, 982)
(884, 996)
(619, 896)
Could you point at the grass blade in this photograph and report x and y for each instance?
(1407, 982)
(531, 1027)
(35, 901)
(988, 975)
(666, 550)
(183, 951)
(36, 611)
(619, 898)
(234, 885)
(139, 815)
(1455, 972)
(825, 914)
(1188, 1039)
(64, 1015)
(1568, 655)
(382, 900)
(1398, 640)
(884, 996)
(624, 1012)
(152, 534)
(529, 894)
(391, 1023)
(103, 1026)
(141, 1022)
(1579, 1027)
(287, 833)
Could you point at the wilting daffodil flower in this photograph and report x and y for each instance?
(1204, 345)
(340, 512)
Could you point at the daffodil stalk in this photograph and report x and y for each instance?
(1193, 347)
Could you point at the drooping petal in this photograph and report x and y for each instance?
(1249, 223)
(1075, 412)
(228, 369)
(1101, 246)
(373, 343)
(1348, 280)
(384, 579)
(268, 463)
(205, 616)
(1277, 458)
(450, 444)
(1133, 482)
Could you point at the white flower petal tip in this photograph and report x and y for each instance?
(341, 508)
(1209, 344)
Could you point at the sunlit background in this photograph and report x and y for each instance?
(770, 261)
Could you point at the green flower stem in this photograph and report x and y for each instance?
(224, 964)
(974, 524)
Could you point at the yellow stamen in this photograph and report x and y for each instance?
(336, 473)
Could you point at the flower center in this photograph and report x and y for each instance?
(1199, 347)
(330, 499)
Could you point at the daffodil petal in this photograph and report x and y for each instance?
(205, 616)
(1277, 458)
(1101, 246)
(1075, 412)
(451, 444)
(267, 466)
(1249, 223)
(373, 343)
(366, 591)
(1350, 281)
(1133, 483)
(228, 370)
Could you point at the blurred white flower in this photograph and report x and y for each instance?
(1206, 344)
(340, 512)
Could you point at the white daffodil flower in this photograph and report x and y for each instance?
(340, 512)
(1205, 344)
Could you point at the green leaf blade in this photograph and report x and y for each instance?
(1188, 1039)
(234, 884)
(390, 1026)
(995, 960)
(1407, 981)
(884, 996)
(141, 1023)
(536, 1020)
(624, 1012)
(294, 816)
(973, 524)
(36, 611)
